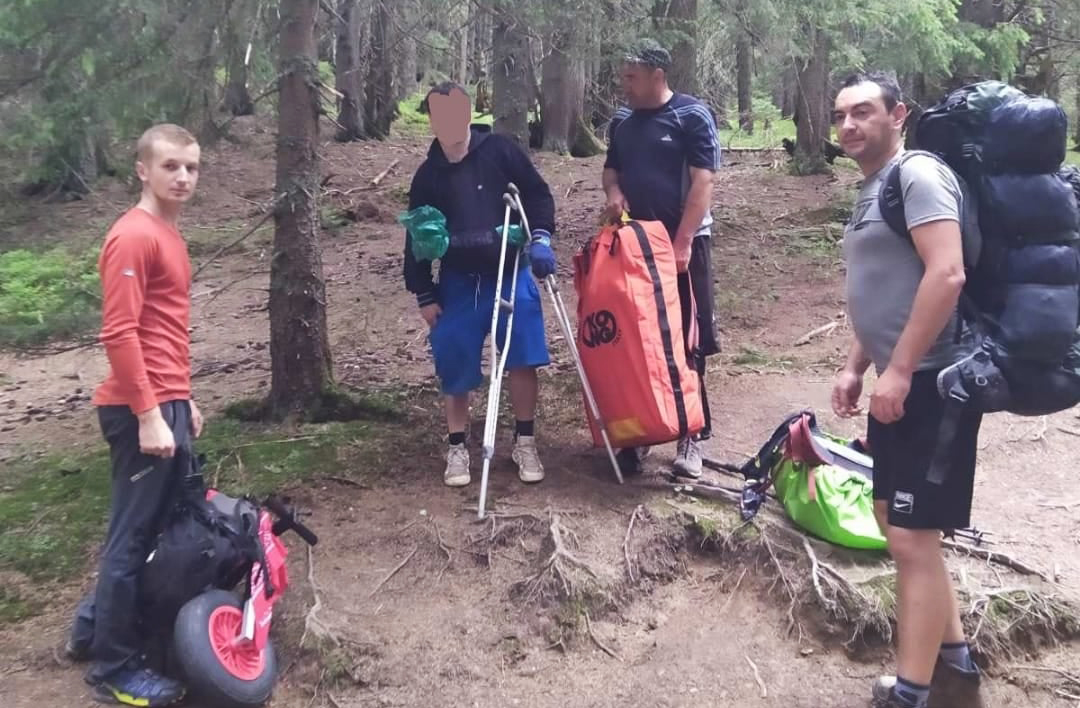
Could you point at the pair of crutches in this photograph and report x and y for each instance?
(512, 202)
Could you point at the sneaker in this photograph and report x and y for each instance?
(457, 467)
(76, 652)
(950, 687)
(632, 460)
(688, 458)
(882, 693)
(138, 687)
(527, 459)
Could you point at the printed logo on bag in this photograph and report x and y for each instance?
(903, 502)
(599, 328)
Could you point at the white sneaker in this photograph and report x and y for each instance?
(457, 467)
(527, 459)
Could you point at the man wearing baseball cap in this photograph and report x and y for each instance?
(662, 154)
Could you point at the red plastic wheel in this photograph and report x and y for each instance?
(243, 660)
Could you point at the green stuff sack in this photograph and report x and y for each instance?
(842, 508)
(823, 482)
(427, 227)
(517, 235)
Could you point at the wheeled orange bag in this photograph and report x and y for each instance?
(630, 337)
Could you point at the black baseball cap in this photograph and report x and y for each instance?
(650, 53)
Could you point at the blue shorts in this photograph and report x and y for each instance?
(457, 339)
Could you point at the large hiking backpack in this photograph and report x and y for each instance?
(209, 540)
(630, 337)
(1022, 294)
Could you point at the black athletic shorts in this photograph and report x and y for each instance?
(701, 281)
(902, 453)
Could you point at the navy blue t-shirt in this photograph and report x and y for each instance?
(653, 149)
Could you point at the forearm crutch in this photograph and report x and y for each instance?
(499, 354)
(563, 317)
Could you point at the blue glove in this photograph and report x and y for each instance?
(540, 254)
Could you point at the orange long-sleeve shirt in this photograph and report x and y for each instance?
(146, 307)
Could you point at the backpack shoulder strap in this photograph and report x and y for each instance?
(891, 206)
(891, 195)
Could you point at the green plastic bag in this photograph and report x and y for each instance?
(517, 235)
(427, 226)
(842, 513)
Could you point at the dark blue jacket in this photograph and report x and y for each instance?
(469, 193)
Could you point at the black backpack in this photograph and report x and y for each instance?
(204, 544)
(1021, 231)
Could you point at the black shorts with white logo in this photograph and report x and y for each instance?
(903, 451)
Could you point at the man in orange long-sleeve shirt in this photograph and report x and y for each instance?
(144, 408)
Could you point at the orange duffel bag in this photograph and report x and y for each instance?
(630, 337)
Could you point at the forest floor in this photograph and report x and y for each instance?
(659, 597)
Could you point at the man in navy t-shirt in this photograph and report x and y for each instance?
(662, 153)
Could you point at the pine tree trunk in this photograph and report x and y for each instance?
(681, 18)
(787, 102)
(480, 44)
(1076, 119)
(380, 106)
(405, 65)
(743, 74)
(237, 100)
(300, 360)
(347, 72)
(511, 93)
(812, 130)
(563, 94)
(461, 74)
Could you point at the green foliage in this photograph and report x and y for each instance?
(46, 295)
(106, 70)
(762, 137)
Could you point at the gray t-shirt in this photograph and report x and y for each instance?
(884, 269)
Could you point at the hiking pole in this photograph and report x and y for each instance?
(499, 354)
(552, 287)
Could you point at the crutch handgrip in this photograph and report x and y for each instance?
(505, 305)
(508, 200)
(513, 189)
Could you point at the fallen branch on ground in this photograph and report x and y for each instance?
(757, 677)
(1067, 506)
(994, 557)
(393, 572)
(442, 547)
(1071, 678)
(382, 175)
(822, 330)
(312, 624)
(596, 640)
(731, 597)
(626, 541)
(344, 480)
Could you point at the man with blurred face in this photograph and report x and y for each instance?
(464, 176)
(144, 408)
(662, 154)
(902, 296)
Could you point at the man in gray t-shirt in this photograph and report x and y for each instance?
(902, 294)
(884, 270)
